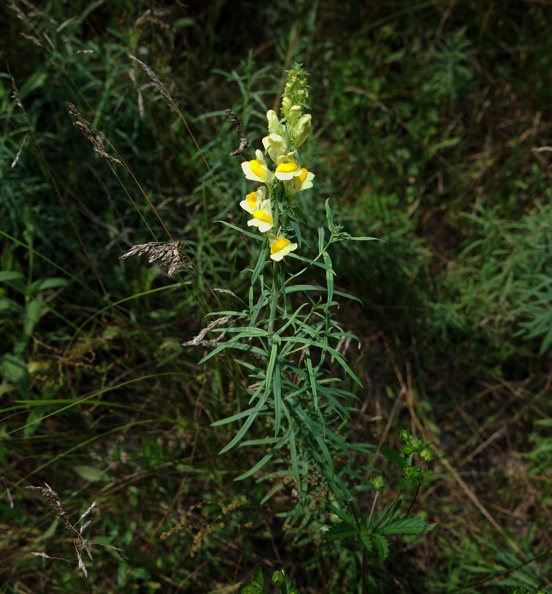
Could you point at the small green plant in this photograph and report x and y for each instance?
(257, 583)
(370, 531)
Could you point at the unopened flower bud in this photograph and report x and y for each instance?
(302, 129)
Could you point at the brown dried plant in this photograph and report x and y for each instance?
(74, 531)
(168, 254)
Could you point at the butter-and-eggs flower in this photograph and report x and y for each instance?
(280, 247)
(300, 182)
(262, 217)
(257, 169)
(288, 170)
(253, 200)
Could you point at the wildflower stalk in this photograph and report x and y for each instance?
(285, 350)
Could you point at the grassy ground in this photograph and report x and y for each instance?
(432, 128)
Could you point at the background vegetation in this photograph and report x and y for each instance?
(432, 132)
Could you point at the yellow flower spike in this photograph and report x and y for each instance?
(280, 247)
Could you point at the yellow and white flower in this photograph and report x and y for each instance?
(262, 217)
(253, 200)
(300, 182)
(288, 170)
(256, 169)
(280, 247)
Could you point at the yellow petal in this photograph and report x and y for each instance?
(257, 168)
(287, 167)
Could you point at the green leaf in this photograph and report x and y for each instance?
(91, 473)
(260, 263)
(381, 545)
(320, 239)
(8, 307)
(329, 276)
(12, 276)
(342, 530)
(393, 456)
(14, 370)
(254, 236)
(256, 585)
(341, 513)
(366, 537)
(253, 414)
(279, 404)
(329, 214)
(33, 313)
(411, 525)
(49, 283)
(33, 421)
(282, 441)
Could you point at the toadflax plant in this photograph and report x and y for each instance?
(285, 338)
(290, 350)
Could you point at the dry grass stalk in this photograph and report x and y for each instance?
(80, 543)
(168, 255)
(39, 38)
(157, 84)
(199, 340)
(95, 138)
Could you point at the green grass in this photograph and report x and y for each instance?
(431, 131)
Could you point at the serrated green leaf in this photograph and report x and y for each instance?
(411, 525)
(366, 537)
(381, 545)
(342, 530)
(256, 585)
(393, 456)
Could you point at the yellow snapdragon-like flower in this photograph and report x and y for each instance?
(256, 169)
(302, 181)
(262, 217)
(280, 247)
(253, 200)
(287, 171)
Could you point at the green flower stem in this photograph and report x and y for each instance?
(274, 299)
